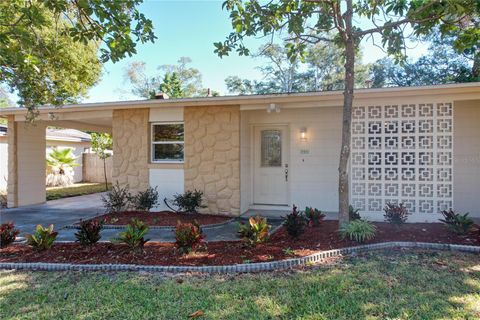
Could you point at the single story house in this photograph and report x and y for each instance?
(415, 145)
(76, 140)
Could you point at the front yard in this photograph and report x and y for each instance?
(78, 189)
(381, 285)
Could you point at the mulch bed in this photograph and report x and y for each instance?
(163, 218)
(324, 237)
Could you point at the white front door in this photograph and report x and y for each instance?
(270, 182)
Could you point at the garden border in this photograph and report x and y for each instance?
(238, 268)
(169, 228)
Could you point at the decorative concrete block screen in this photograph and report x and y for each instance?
(402, 154)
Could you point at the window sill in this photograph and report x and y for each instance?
(166, 165)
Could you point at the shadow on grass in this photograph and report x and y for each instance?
(399, 284)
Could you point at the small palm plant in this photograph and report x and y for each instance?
(60, 163)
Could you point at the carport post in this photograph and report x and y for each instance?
(26, 162)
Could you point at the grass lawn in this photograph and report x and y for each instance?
(385, 285)
(78, 189)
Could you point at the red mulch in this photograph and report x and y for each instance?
(163, 218)
(233, 252)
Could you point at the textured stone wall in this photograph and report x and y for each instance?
(212, 156)
(130, 148)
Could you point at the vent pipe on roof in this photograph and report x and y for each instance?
(161, 96)
(209, 92)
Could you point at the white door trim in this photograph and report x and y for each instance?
(253, 153)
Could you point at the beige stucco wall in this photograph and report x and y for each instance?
(130, 147)
(467, 156)
(212, 156)
(313, 165)
(26, 158)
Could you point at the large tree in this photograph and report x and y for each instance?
(143, 83)
(321, 68)
(48, 48)
(349, 21)
(441, 64)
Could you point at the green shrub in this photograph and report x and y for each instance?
(145, 200)
(294, 223)
(134, 235)
(353, 213)
(314, 216)
(255, 231)
(89, 232)
(456, 222)
(43, 238)
(395, 213)
(188, 236)
(189, 201)
(358, 230)
(8, 234)
(117, 200)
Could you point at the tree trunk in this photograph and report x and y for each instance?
(343, 184)
(476, 66)
(105, 173)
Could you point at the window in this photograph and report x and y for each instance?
(167, 142)
(271, 148)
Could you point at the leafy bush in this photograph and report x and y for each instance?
(353, 213)
(314, 216)
(188, 236)
(457, 222)
(8, 234)
(189, 201)
(43, 238)
(358, 230)
(295, 223)
(255, 231)
(134, 235)
(89, 232)
(395, 213)
(145, 200)
(117, 199)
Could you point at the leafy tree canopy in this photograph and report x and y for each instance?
(442, 64)
(145, 85)
(48, 48)
(320, 69)
(171, 85)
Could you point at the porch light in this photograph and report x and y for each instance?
(273, 108)
(303, 134)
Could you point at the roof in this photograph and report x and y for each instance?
(67, 135)
(335, 97)
(70, 135)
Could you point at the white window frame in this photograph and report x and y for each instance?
(153, 143)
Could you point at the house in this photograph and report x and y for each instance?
(416, 145)
(76, 140)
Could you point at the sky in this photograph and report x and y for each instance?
(189, 29)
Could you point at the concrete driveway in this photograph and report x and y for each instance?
(59, 212)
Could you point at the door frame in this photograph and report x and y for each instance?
(253, 144)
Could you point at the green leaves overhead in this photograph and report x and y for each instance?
(48, 48)
(309, 21)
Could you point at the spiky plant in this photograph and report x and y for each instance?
(60, 163)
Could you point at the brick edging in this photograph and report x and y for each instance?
(238, 268)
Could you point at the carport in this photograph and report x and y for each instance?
(27, 144)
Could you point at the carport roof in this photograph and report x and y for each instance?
(331, 97)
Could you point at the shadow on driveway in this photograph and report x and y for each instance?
(59, 212)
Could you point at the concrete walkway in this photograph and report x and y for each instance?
(68, 211)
